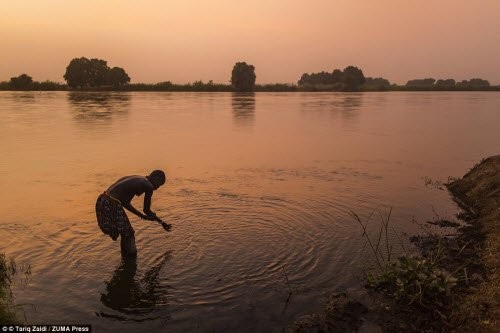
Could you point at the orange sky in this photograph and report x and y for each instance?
(184, 41)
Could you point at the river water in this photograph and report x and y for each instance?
(259, 191)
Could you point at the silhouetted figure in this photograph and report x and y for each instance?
(111, 216)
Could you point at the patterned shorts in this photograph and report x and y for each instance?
(111, 217)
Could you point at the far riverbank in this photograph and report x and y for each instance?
(200, 86)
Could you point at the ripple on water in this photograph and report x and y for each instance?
(229, 249)
(226, 242)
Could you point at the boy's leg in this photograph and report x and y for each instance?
(127, 245)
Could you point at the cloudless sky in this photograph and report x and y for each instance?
(184, 41)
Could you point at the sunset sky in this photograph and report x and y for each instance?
(184, 41)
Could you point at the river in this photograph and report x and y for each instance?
(259, 191)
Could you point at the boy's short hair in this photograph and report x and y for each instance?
(158, 176)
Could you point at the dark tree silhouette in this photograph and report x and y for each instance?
(353, 77)
(117, 77)
(82, 72)
(377, 83)
(321, 78)
(243, 77)
(478, 83)
(337, 76)
(448, 83)
(97, 72)
(78, 72)
(473, 84)
(421, 83)
(21, 82)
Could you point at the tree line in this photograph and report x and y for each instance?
(95, 74)
(25, 82)
(351, 78)
(431, 83)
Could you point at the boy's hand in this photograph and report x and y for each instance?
(166, 226)
(153, 217)
(148, 218)
(156, 218)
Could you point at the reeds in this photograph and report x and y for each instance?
(410, 278)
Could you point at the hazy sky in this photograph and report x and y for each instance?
(186, 40)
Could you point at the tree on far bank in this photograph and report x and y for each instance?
(377, 83)
(478, 83)
(78, 72)
(421, 83)
(97, 72)
(117, 77)
(353, 77)
(21, 82)
(243, 77)
(82, 72)
(448, 83)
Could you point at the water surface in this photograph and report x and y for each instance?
(259, 191)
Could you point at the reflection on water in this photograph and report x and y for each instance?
(243, 105)
(132, 297)
(24, 97)
(94, 108)
(348, 106)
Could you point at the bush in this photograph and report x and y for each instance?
(412, 279)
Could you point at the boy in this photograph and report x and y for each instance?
(111, 216)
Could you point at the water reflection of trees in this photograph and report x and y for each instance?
(347, 105)
(243, 106)
(24, 97)
(135, 298)
(92, 108)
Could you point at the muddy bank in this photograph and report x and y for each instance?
(478, 194)
(470, 258)
(7, 270)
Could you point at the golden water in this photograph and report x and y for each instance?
(259, 190)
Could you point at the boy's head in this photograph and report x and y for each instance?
(157, 178)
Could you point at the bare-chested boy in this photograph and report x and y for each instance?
(111, 216)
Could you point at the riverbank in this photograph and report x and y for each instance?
(465, 297)
(221, 87)
(7, 270)
(478, 193)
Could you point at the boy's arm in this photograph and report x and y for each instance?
(151, 215)
(131, 209)
(147, 202)
(147, 207)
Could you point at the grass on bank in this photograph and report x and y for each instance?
(409, 279)
(439, 286)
